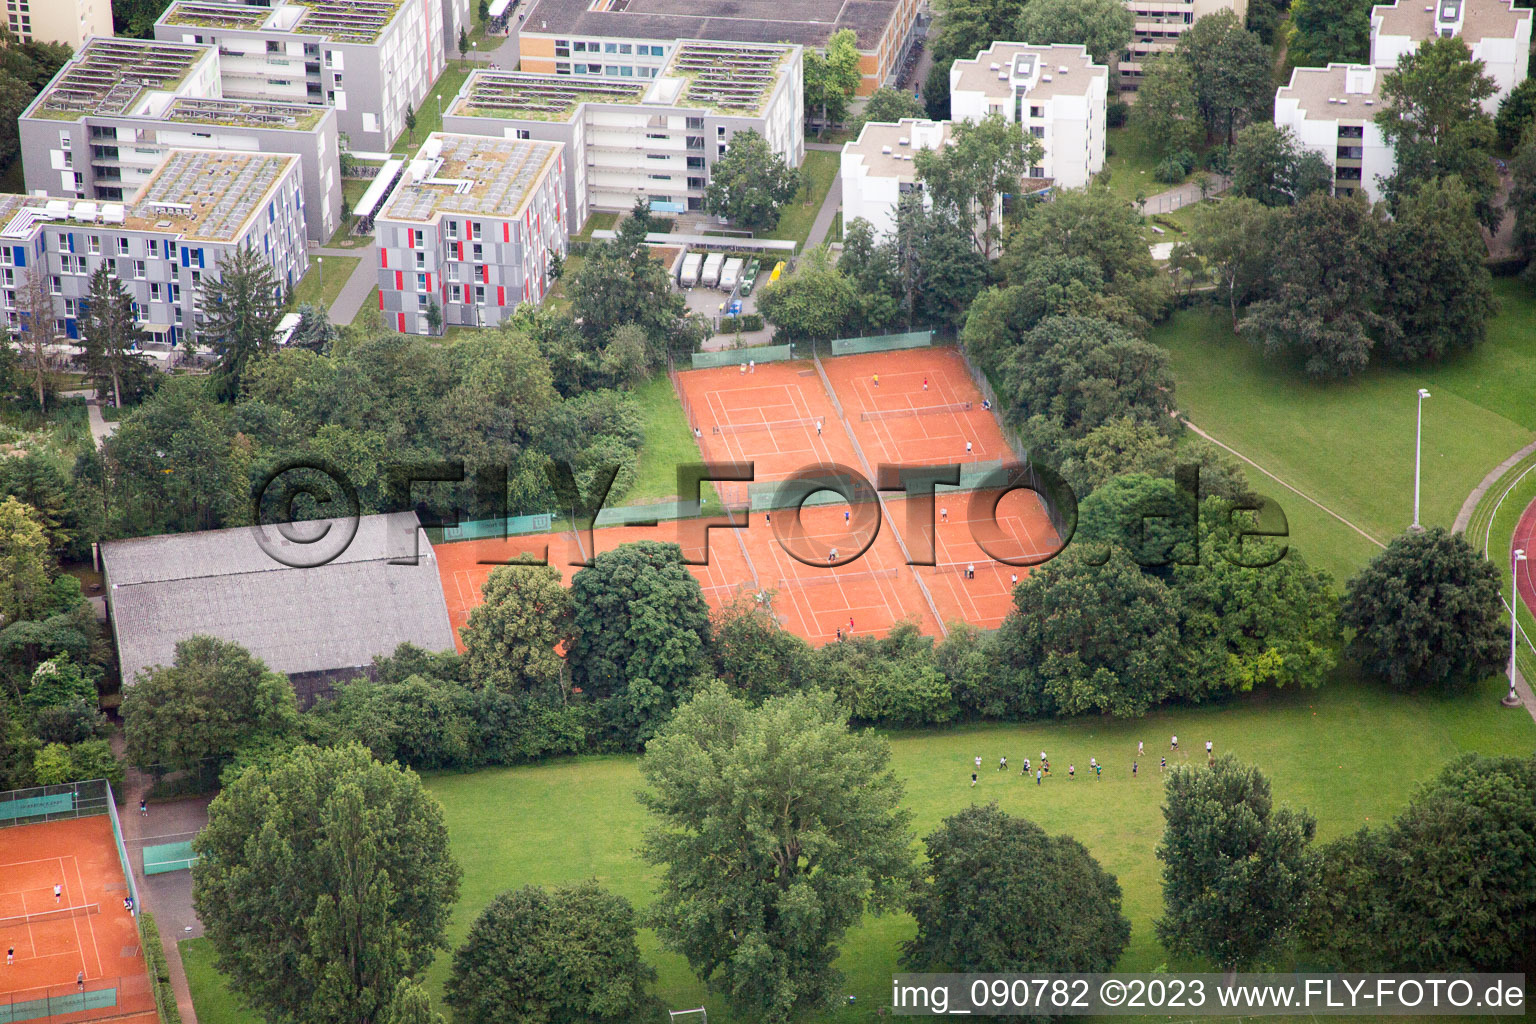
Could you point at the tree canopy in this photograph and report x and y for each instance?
(751, 183)
(241, 306)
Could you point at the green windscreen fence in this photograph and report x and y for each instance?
(13, 1010)
(741, 356)
(512, 526)
(881, 343)
(168, 857)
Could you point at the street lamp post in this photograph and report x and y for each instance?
(320, 272)
(1512, 699)
(1418, 446)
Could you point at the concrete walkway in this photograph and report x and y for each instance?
(1465, 515)
(355, 292)
(825, 216)
(1187, 194)
(100, 428)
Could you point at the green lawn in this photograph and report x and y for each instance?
(668, 443)
(321, 286)
(1350, 444)
(1131, 166)
(215, 1003)
(598, 221)
(428, 116)
(798, 216)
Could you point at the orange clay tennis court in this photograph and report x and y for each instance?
(464, 566)
(966, 535)
(889, 417)
(767, 417)
(91, 931)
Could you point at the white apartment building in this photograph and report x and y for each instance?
(70, 22)
(102, 127)
(1497, 33)
(1160, 23)
(471, 228)
(655, 138)
(1056, 92)
(372, 60)
(198, 207)
(1333, 111)
(878, 168)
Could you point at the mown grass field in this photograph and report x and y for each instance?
(800, 213)
(1351, 753)
(1350, 443)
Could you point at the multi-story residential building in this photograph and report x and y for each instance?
(70, 22)
(103, 125)
(878, 168)
(1497, 33)
(654, 137)
(373, 60)
(1056, 92)
(198, 207)
(1333, 111)
(470, 229)
(635, 38)
(1160, 23)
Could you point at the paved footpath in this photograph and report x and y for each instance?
(355, 292)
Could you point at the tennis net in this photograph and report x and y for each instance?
(60, 914)
(847, 577)
(924, 410)
(742, 428)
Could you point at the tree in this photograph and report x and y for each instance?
(1439, 292)
(513, 641)
(1230, 239)
(1432, 116)
(566, 956)
(1004, 896)
(359, 853)
(832, 77)
(753, 655)
(212, 698)
(109, 332)
(1104, 26)
(1231, 71)
(410, 125)
(620, 281)
(937, 268)
(1517, 112)
(626, 358)
(1327, 32)
(25, 566)
(1238, 874)
(1426, 612)
(1449, 885)
(750, 183)
(1522, 200)
(768, 855)
(463, 43)
(642, 634)
(983, 161)
(885, 106)
(811, 304)
(241, 307)
(411, 1005)
(1166, 117)
(1085, 638)
(315, 330)
(965, 27)
(35, 317)
(1269, 165)
(1326, 284)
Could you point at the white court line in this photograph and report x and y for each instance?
(75, 921)
(100, 971)
(31, 940)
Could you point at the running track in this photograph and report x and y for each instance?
(1525, 537)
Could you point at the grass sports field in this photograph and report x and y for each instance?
(1349, 444)
(1350, 753)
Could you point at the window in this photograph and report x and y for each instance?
(1037, 130)
(1037, 172)
(625, 48)
(70, 308)
(57, 283)
(562, 47)
(659, 177)
(64, 141)
(122, 246)
(453, 229)
(153, 246)
(720, 131)
(579, 46)
(474, 230)
(479, 294)
(626, 71)
(93, 244)
(421, 302)
(562, 69)
(456, 292)
(1036, 111)
(154, 291)
(524, 133)
(421, 260)
(138, 270)
(611, 48)
(695, 124)
(655, 156)
(5, 256)
(478, 253)
(695, 182)
(657, 51)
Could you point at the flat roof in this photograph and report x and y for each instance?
(206, 194)
(724, 76)
(1481, 19)
(215, 15)
(469, 174)
(245, 113)
(1321, 93)
(807, 22)
(877, 137)
(533, 97)
(342, 21)
(108, 75)
(980, 74)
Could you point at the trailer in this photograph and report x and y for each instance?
(730, 274)
(688, 276)
(712, 266)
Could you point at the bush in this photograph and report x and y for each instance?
(746, 322)
(1219, 160)
(1187, 159)
(159, 970)
(1116, 112)
(1169, 172)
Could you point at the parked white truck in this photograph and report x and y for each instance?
(712, 266)
(730, 274)
(688, 275)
